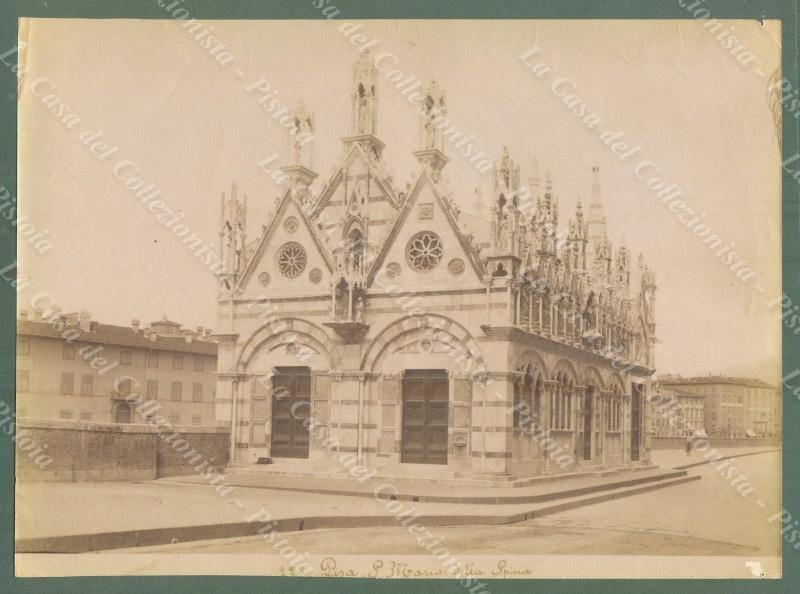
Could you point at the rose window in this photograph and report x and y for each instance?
(292, 259)
(424, 251)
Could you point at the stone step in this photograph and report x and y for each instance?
(154, 539)
(434, 492)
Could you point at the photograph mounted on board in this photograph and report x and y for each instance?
(399, 299)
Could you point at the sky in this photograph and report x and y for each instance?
(191, 127)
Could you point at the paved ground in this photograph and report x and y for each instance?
(706, 517)
(678, 457)
(58, 509)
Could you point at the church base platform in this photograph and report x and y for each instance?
(471, 489)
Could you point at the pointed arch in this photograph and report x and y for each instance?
(567, 367)
(615, 381)
(592, 376)
(534, 359)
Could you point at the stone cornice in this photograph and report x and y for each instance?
(339, 376)
(514, 334)
(225, 337)
(232, 375)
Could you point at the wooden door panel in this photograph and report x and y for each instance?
(425, 417)
(290, 407)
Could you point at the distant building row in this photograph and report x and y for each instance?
(718, 406)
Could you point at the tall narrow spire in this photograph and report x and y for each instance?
(300, 137)
(431, 151)
(365, 114)
(364, 118)
(232, 236)
(596, 218)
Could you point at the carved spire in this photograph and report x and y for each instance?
(596, 220)
(364, 97)
(300, 150)
(300, 137)
(232, 236)
(365, 114)
(433, 111)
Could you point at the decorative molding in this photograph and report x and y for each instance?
(349, 332)
(226, 337)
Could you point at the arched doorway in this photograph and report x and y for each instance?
(122, 413)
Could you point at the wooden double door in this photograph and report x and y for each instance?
(291, 407)
(425, 416)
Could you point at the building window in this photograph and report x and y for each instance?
(152, 359)
(67, 383)
(198, 364)
(174, 419)
(561, 403)
(152, 389)
(197, 392)
(87, 385)
(196, 420)
(177, 389)
(524, 411)
(68, 351)
(125, 357)
(65, 414)
(23, 380)
(614, 411)
(122, 414)
(23, 346)
(177, 362)
(424, 251)
(86, 416)
(292, 259)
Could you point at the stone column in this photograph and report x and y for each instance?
(230, 401)
(547, 395)
(320, 444)
(578, 410)
(625, 428)
(226, 366)
(459, 419)
(390, 428)
(604, 397)
(497, 420)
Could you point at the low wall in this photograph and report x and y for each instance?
(669, 443)
(86, 451)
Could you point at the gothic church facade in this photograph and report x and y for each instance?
(382, 326)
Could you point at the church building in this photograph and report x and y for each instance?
(379, 325)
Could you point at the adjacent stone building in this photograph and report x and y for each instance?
(418, 341)
(72, 367)
(677, 414)
(733, 406)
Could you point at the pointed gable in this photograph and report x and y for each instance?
(264, 273)
(426, 210)
(360, 195)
